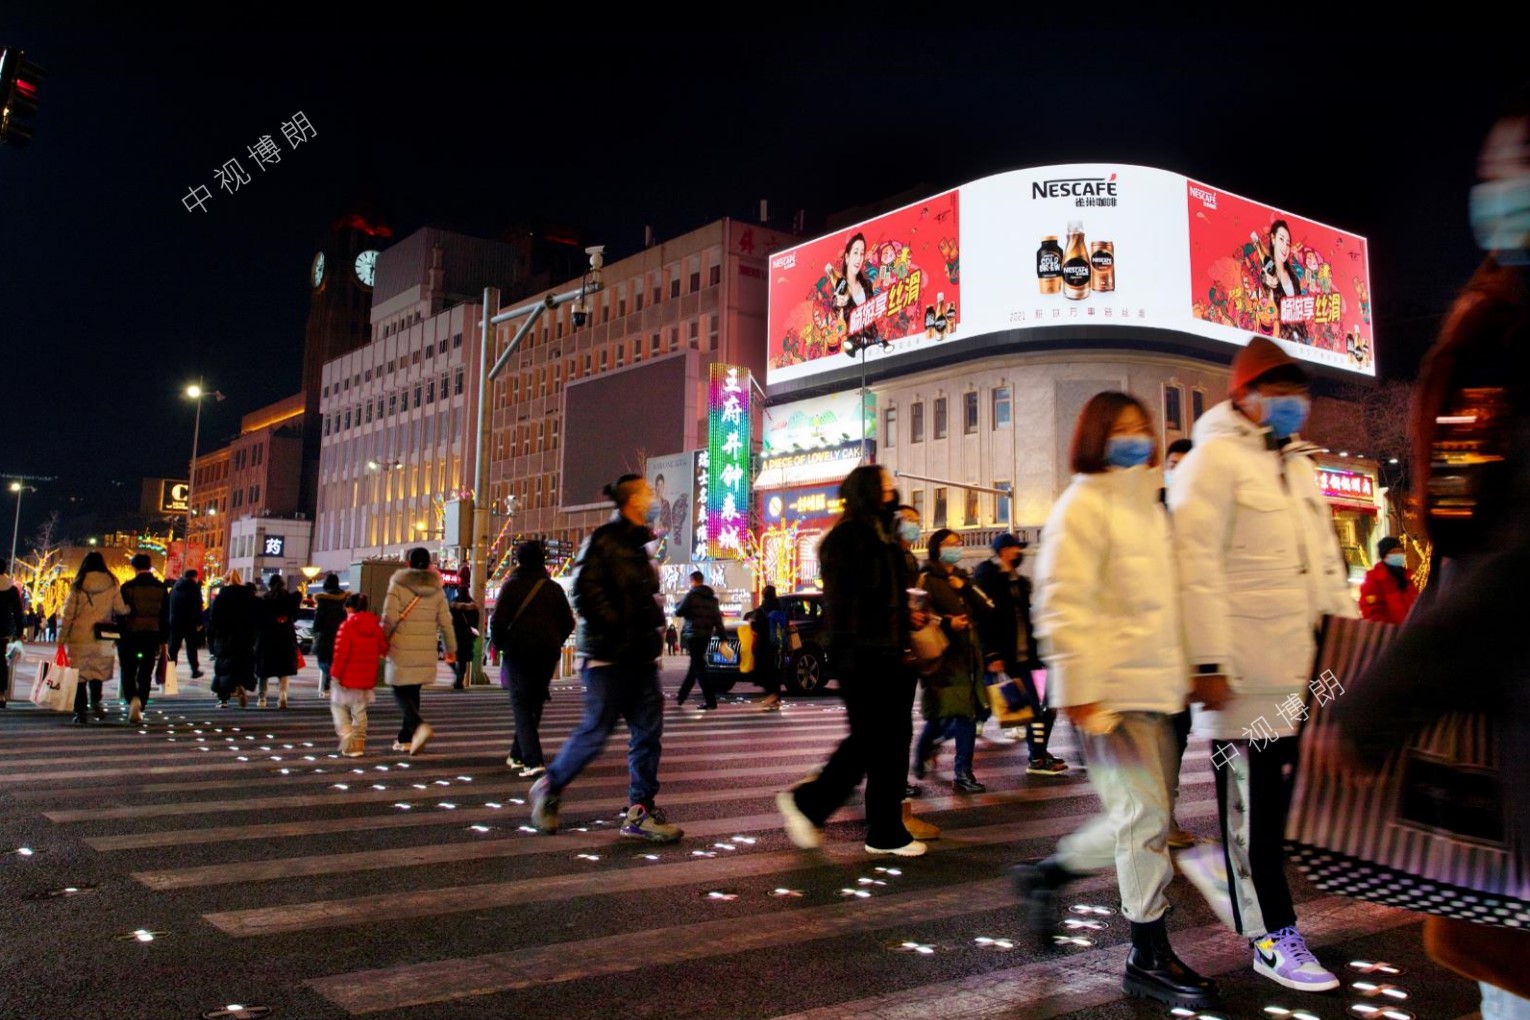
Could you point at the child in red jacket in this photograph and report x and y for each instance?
(359, 646)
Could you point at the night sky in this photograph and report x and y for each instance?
(113, 296)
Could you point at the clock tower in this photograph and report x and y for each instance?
(340, 281)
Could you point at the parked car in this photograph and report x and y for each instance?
(806, 669)
(303, 625)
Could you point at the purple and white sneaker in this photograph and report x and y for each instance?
(1283, 957)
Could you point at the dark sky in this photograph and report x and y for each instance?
(113, 295)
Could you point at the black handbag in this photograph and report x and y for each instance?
(108, 630)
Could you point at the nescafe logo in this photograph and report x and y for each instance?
(1075, 187)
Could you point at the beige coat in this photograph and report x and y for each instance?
(98, 599)
(412, 638)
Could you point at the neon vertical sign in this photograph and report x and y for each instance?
(727, 490)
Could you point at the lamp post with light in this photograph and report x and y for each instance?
(18, 489)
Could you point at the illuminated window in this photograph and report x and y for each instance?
(916, 423)
(940, 418)
(1001, 408)
(969, 413)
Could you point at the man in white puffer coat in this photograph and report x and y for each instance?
(1259, 565)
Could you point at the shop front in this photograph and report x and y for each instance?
(1349, 486)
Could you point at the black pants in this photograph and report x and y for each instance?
(139, 654)
(192, 643)
(1038, 732)
(1253, 796)
(408, 698)
(879, 700)
(767, 669)
(529, 680)
(5, 677)
(94, 688)
(696, 647)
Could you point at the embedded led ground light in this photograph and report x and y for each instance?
(725, 846)
(24, 851)
(1290, 1014)
(784, 892)
(1390, 970)
(447, 805)
(402, 806)
(985, 942)
(526, 828)
(859, 894)
(140, 935)
(703, 853)
(1090, 909)
(68, 890)
(480, 828)
(1071, 940)
(1366, 1011)
(1371, 990)
(895, 872)
(746, 840)
(869, 881)
(235, 1011)
(650, 857)
(1191, 1014)
(919, 948)
(587, 857)
(723, 895)
(1083, 924)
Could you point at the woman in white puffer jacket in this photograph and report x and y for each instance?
(1107, 618)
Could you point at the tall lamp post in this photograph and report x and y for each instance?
(18, 489)
(195, 392)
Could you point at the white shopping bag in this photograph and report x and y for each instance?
(172, 684)
(55, 687)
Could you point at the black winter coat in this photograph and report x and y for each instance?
(701, 613)
(328, 615)
(148, 604)
(1006, 632)
(865, 581)
(185, 607)
(544, 626)
(232, 627)
(616, 596)
(276, 649)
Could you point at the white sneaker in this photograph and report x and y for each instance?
(400, 746)
(799, 827)
(515, 763)
(532, 771)
(422, 735)
(1206, 868)
(996, 734)
(913, 848)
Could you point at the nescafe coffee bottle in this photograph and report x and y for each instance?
(1076, 267)
(1049, 260)
(1102, 263)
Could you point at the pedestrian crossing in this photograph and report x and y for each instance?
(397, 886)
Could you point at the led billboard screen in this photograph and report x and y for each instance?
(1079, 245)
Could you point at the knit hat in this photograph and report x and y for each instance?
(1262, 357)
(1386, 545)
(1006, 540)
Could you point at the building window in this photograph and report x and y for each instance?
(916, 423)
(1197, 405)
(393, 403)
(1001, 504)
(916, 501)
(674, 287)
(890, 428)
(714, 276)
(655, 344)
(369, 412)
(1001, 407)
(456, 340)
(969, 413)
(940, 418)
(417, 391)
(970, 516)
(695, 281)
(938, 520)
(1173, 416)
(457, 383)
(430, 392)
(441, 347)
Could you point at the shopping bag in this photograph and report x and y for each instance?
(1008, 700)
(300, 660)
(171, 682)
(1427, 832)
(55, 686)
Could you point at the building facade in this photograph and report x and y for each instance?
(576, 407)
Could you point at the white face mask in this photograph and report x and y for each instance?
(1168, 477)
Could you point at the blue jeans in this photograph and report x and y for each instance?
(620, 691)
(962, 729)
(1498, 1004)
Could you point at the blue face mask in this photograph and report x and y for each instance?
(1500, 214)
(1128, 451)
(951, 555)
(1285, 414)
(1168, 477)
(1396, 560)
(908, 531)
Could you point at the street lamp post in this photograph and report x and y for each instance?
(18, 489)
(196, 393)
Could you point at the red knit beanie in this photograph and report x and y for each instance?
(1260, 357)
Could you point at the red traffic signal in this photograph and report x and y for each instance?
(19, 82)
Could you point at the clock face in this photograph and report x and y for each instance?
(318, 270)
(366, 265)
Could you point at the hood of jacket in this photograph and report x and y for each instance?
(330, 596)
(97, 582)
(417, 582)
(366, 624)
(1226, 420)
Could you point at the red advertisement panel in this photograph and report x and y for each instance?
(888, 279)
(1259, 270)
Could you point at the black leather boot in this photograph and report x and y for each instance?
(1037, 885)
(1154, 972)
(965, 782)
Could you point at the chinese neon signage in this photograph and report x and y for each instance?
(1338, 484)
(727, 489)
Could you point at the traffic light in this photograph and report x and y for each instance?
(19, 80)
